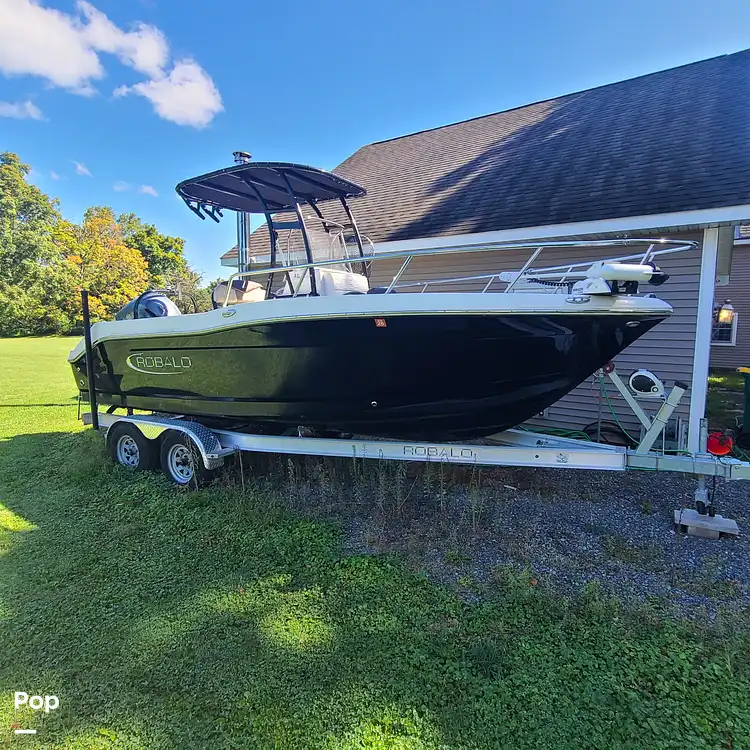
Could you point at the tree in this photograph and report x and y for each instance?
(45, 260)
(27, 217)
(167, 265)
(113, 272)
(35, 280)
(164, 254)
(190, 295)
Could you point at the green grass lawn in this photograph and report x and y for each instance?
(219, 619)
(726, 399)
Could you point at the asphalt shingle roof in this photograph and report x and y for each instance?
(675, 140)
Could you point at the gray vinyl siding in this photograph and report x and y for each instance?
(736, 291)
(667, 350)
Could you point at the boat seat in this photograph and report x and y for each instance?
(242, 290)
(332, 282)
(329, 282)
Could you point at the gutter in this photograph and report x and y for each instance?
(675, 221)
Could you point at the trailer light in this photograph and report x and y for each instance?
(719, 443)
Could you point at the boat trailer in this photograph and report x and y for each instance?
(515, 447)
(189, 452)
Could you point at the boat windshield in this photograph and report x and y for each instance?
(328, 240)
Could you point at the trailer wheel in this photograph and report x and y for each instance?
(181, 460)
(129, 447)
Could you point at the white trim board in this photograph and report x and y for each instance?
(680, 219)
(703, 328)
(710, 217)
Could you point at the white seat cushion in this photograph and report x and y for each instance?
(329, 282)
(332, 282)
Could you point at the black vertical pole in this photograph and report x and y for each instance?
(89, 359)
(303, 229)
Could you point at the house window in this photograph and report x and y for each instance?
(725, 334)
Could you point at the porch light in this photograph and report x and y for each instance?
(724, 313)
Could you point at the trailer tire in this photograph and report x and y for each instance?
(181, 460)
(130, 448)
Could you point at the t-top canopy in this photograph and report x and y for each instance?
(264, 187)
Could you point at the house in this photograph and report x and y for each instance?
(665, 154)
(730, 342)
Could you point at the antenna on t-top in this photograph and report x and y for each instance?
(243, 221)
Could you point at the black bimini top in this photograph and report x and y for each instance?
(263, 187)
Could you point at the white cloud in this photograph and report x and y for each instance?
(148, 190)
(54, 175)
(120, 186)
(47, 43)
(187, 95)
(20, 110)
(82, 169)
(64, 50)
(144, 49)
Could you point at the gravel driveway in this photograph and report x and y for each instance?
(569, 528)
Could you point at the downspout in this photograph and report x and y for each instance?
(703, 328)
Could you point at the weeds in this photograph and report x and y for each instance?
(442, 488)
(490, 658)
(708, 580)
(644, 556)
(456, 557)
(475, 497)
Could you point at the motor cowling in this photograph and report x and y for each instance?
(153, 303)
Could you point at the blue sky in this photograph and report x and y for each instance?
(145, 93)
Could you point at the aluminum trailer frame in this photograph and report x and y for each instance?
(510, 448)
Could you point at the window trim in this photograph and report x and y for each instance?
(733, 341)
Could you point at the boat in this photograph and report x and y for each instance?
(308, 336)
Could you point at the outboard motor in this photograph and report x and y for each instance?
(153, 303)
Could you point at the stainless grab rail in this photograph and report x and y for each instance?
(548, 272)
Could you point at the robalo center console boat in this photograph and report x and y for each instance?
(304, 338)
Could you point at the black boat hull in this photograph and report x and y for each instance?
(426, 377)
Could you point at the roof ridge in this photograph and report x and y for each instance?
(552, 99)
